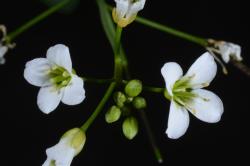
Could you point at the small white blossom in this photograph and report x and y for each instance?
(230, 50)
(126, 11)
(57, 79)
(68, 147)
(227, 50)
(186, 94)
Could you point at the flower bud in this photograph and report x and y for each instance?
(139, 103)
(130, 127)
(66, 149)
(76, 138)
(113, 114)
(133, 88)
(120, 99)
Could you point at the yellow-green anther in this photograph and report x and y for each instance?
(66, 74)
(52, 163)
(57, 79)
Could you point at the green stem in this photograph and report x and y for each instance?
(172, 31)
(100, 106)
(154, 89)
(164, 28)
(117, 56)
(151, 137)
(37, 19)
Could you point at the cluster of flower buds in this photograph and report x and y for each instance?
(125, 103)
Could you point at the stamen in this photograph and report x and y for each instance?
(211, 51)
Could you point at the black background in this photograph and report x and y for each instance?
(26, 132)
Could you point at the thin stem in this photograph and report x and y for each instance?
(154, 89)
(198, 40)
(117, 56)
(37, 19)
(242, 67)
(100, 106)
(151, 137)
(118, 40)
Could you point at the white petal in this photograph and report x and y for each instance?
(225, 52)
(3, 51)
(48, 99)
(121, 8)
(171, 72)
(36, 72)
(74, 93)
(59, 54)
(61, 153)
(207, 107)
(178, 121)
(47, 162)
(202, 71)
(137, 6)
(228, 50)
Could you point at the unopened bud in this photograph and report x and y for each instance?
(139, 103)
(130, 127)
(76, 139)
(120, 99)
(113, 114)
(133, 88)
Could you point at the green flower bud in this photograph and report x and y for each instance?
(139, 103)
(113, 114)
(76, 139)
(133, 88)
(130, 127)
(120, 99)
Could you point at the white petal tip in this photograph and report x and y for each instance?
(172, 135)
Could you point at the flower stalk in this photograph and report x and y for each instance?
(172, 31)
(99, 108)
(35, 20)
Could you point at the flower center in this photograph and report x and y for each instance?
(59, 77)
(182, 91)
(52, 163)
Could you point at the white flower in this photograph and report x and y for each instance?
(126, 11)
(68, 147)
(56, 78)
(227, 50)
(186, 94)
(230, 50)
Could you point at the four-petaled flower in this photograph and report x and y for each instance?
(57, 79)
(126, 11)
(69, 146)
(185, 94)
